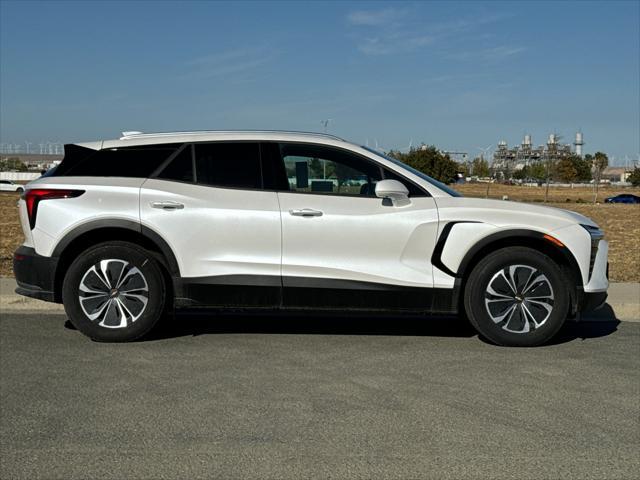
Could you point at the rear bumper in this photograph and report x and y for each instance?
(35, 274)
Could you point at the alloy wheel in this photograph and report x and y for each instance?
(113, 293)
(519, 298)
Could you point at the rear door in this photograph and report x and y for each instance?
(342, 246)
(208, 203)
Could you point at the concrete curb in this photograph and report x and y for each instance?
(623, 303)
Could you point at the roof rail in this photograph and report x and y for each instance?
(136, 134)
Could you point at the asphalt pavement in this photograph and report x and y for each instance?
(316, 397)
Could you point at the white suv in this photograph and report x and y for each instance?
(124, 230)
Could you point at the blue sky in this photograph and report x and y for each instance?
(454, 74)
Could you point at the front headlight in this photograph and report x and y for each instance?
(595, 232)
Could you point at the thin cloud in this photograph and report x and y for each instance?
(228, 62)
(387, 44)
(494, 54)
(374, 18)
(392, 31)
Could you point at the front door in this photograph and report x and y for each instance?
(345, 248)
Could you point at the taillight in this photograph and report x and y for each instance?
(34, 196)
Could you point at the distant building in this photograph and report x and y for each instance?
(507, 160)
(616, 174)
(34, 161)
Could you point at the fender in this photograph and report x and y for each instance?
(521, 233)
(148, 233)
(436, 259)
(487, 242)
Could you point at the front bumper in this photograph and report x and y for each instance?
(592, 301)
(35, 274)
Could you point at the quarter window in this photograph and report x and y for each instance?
(139, 161)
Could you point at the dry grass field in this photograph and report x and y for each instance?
(621, 223)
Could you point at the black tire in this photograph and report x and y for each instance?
(126, 316)
(535, 323)
(19, 190)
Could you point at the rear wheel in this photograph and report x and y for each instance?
(517, 296)
(114, 292)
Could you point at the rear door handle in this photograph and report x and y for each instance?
(168, 205)
(306, 212)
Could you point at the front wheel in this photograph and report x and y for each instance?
(517, 296)
(114, 292)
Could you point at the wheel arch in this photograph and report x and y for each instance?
(99, 231)
(521, 238)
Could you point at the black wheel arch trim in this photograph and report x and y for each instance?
(436, 257)
(505, 234)
(151, 235)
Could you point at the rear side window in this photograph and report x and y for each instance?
(139, 161)
(181, 167)
(232, 165)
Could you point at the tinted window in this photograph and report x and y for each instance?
(181, 167)
(317, 169)
(138, 161)
(235, 165)
(273, 172)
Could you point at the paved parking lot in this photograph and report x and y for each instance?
(273, 397)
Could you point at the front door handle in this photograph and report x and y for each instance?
(169, 205)
(306, 212)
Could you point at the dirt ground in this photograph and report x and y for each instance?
(621, 223)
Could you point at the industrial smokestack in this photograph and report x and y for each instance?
(579, 143)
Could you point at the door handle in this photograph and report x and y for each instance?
(306, 212)
(167, 205)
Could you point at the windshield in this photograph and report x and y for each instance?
(418, 173)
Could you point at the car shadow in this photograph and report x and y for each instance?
(195, 324)
(208, 323)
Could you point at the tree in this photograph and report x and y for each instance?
(12, 164)
(565, 170)
(600, 162)
(429, 160)
(480, 167)
(583, 168)
(634, 178)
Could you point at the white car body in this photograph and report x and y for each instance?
(254, 237)
(9, 186)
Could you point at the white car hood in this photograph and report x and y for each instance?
(503, 213)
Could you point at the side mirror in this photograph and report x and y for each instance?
(394, 191)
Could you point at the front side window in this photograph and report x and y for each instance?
(231, 165)
(317, 169)
(418, 173)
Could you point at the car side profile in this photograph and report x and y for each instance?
(124, 230)
(623, 198)
(9, 186)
